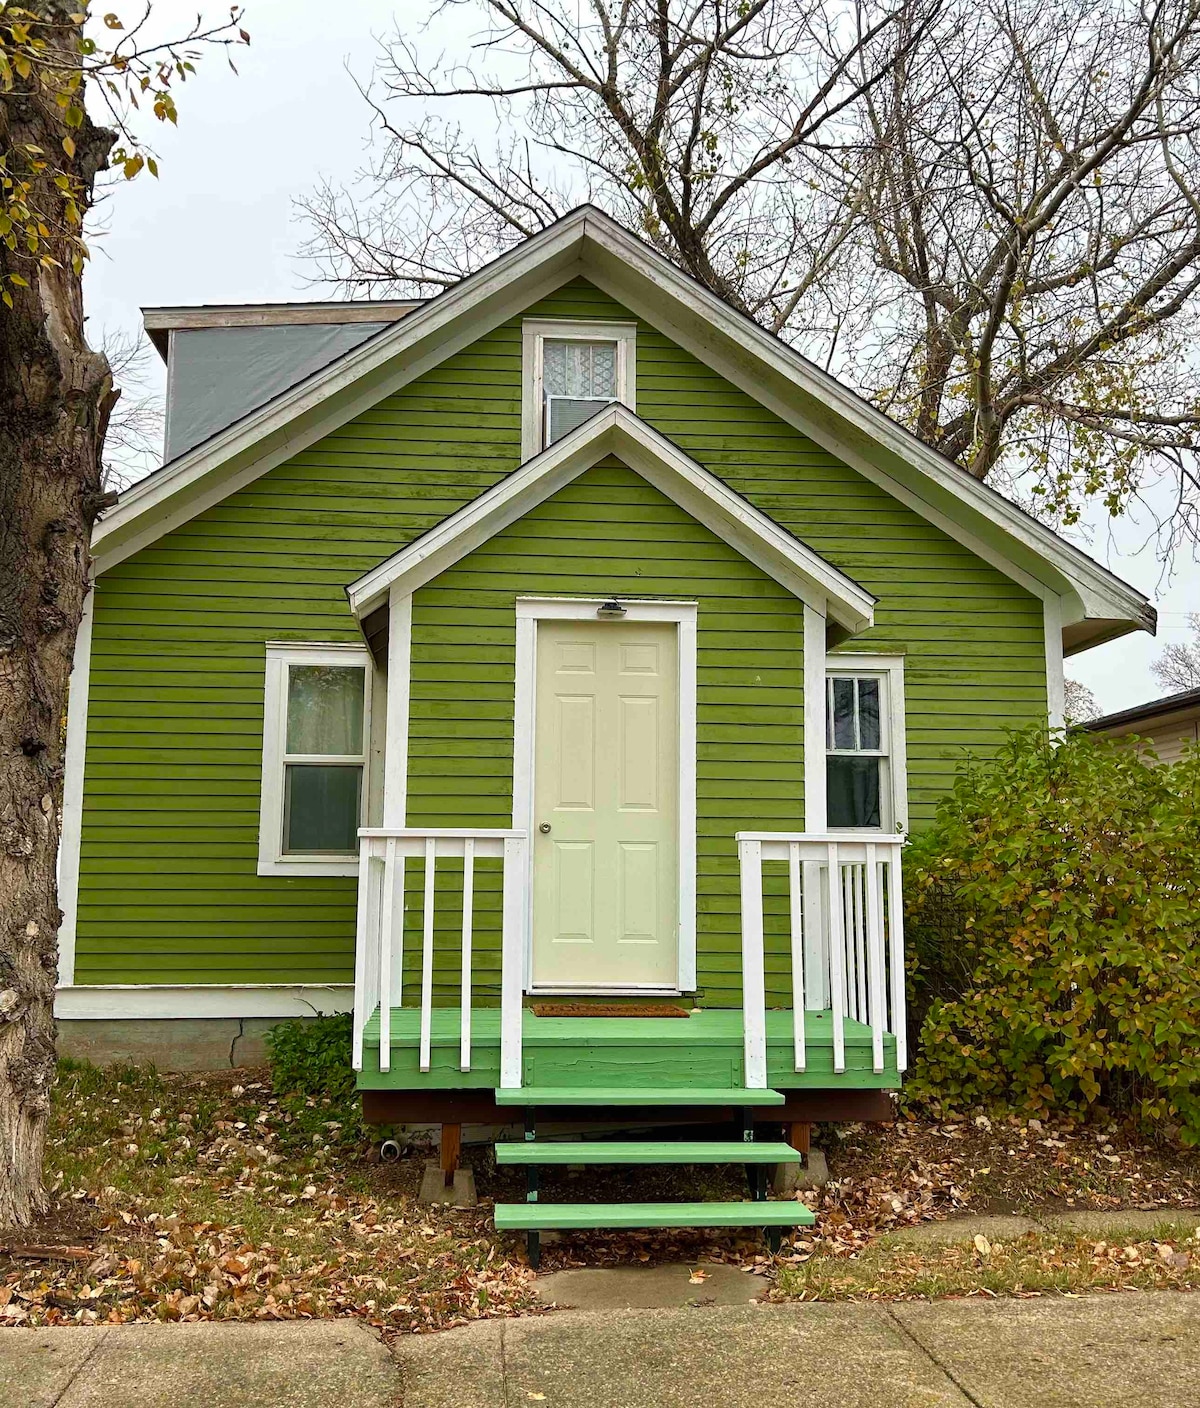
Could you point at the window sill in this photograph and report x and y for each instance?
(309, 865)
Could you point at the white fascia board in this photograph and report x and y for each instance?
(618, 431)
(355, 383)
(841, 422)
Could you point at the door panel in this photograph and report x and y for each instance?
(606, 781)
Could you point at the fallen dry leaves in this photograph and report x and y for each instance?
(198, 1198)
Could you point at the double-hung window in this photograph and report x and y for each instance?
(572, 371)
(865, 781)
(316, 731)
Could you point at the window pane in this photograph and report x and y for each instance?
(325, 709)
(853, 791)
(868, 714)
(321, 808)
(843, 713)
(581, 369)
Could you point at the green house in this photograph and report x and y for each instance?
(550, 673)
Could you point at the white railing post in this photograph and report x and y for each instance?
(798, 905)
(837, 958)
(896, 957)
(427, 954)
(512, 963)
(468, 901)
(878, 1004)
(387, 918)
(364, 1003)
(754, 995)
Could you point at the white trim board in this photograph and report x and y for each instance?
(590, 244)
(144, 1002)
(618, 431)
(683, 614)
(71, 834)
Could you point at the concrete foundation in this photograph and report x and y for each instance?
(170, 1044)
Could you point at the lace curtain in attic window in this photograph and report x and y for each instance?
(587, 370)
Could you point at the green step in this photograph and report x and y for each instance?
(632, 1095)
(543, 1217)
(599, 1151)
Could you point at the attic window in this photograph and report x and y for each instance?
(571, 372)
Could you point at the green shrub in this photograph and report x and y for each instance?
(312, 1056)
(1052, 915)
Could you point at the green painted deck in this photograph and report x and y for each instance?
(622, 1053)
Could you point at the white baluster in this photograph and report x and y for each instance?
(874, 879)
(859, 881)
(795, 895)
(846, 878)
(468, 900)
(427, 955)
(837, 956)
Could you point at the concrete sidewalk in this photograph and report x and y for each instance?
(1127, 1351)
(1131, 1351)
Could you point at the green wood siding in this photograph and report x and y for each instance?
(168, 889)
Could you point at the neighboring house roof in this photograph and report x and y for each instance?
(1174, 708)
(618, 431)
(1091, 603)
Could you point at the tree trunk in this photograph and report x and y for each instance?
(55, 397)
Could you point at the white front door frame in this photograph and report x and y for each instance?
(531, 610)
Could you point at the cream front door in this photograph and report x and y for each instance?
(606, 805)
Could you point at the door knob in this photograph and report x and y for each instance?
(545, 828)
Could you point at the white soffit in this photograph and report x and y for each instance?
(618, 431)
(589, 243)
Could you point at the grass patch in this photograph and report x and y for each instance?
(1033, 1264)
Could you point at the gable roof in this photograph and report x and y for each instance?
(618, 431)
(1094, 604)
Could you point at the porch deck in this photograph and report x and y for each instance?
(704, 1050)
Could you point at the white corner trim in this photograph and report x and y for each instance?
(890, 668)
(1056, 685)
(399, 693)
(683, 614)
(814, 720)
(71, 835)
(618, 431)
(279, 655)
(534, 332)
(147, 1002)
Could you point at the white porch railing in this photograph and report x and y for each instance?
(845, 930)
(379, 945)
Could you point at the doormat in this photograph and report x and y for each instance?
(607, 1009)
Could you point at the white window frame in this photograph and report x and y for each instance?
(893, 801)
(281, 655)
(683, 615)
(534, 332)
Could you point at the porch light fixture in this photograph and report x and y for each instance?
(610, 610)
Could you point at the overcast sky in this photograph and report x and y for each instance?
(219, 227)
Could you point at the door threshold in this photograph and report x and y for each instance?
(597, 990)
